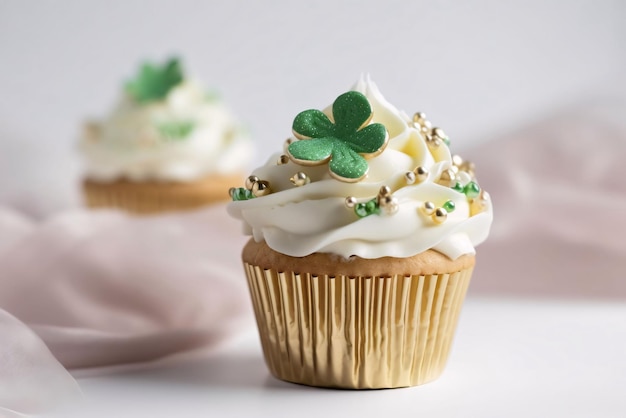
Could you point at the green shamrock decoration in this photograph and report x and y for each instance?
(346, 143)
(154, 82)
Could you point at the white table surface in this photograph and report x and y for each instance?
(511, 358)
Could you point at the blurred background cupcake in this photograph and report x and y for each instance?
(169, 144)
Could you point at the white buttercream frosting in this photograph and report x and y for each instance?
(134, 141)
(298, 221)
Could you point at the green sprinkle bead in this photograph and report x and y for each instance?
(372, 207)
(449, 206)
(368, 208)
(458, 187)
(471, 190)
(242, 194)
(360, 210)
(446, 140)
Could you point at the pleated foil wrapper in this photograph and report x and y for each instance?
(150, 198)
(356, 332)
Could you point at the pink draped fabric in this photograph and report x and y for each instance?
(559, 195)
(32, 380)
(102, 288)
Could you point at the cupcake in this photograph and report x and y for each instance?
(168, 145)
(363, 234)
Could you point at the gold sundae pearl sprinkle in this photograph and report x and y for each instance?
(300, 179)
(283, 159)
(457, 160)
(468, 167)
(480, 203)
(421, 173)
(428, 208)
(261, 188)
(438, 133)
(250, 182)
(384, 191)
(420, 121)
(447, 178)
(419, 117)
(386, 200)
(350, 201)
(389, 204)
(440, 215)
(432, 141)
(231, 192)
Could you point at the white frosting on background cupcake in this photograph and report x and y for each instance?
(183, 136)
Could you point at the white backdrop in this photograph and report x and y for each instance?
(477, 68)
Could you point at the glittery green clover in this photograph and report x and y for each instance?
(154, 82)
(346, 142)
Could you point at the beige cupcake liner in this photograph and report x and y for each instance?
(356, 332)
(155, 197)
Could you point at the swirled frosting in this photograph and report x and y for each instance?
(298, 221)
(184, 136)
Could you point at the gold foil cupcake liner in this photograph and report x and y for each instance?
(135, 202)
(155, 197)
(356, 332)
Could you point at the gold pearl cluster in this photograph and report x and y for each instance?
(421, 122)
(384, 202)
(480, 203)
(418, 175)
(434, 136)
(258, 187)
(387, 202)
(458, 164)
(437, 214)
(447, 178)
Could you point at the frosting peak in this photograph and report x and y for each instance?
(414, 196)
